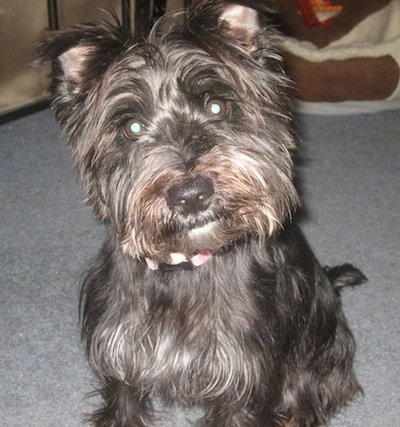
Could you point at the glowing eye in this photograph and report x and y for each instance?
(134, 129)
(217, 109)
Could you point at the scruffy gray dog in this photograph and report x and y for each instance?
(205, 293)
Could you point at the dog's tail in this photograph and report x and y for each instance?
(344, 275)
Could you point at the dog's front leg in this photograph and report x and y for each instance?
(252, 416)
(123, 407)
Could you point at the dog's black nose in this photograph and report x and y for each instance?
(191, 197)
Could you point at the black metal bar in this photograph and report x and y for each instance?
(126, 13)
(158, 9)
(52, 11)
(141, 17)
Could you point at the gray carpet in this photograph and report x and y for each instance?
(351, 187)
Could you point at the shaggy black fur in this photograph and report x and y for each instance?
(204, 293)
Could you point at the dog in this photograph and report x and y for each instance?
(205, 292)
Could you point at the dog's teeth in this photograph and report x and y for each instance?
(177, 258)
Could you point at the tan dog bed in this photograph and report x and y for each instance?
(351, 65)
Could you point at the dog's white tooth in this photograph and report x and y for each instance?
(177, 258)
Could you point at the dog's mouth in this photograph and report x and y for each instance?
(194, 258)
(179, 261)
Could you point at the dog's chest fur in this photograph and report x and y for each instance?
(188, 331)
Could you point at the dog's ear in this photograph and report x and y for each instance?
(244, 21)
(81, 54)
(72, 66)
(242, 24)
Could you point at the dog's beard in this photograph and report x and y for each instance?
(250, 199)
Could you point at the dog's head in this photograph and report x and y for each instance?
(183, 140)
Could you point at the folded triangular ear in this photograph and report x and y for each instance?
(72, 63)
(68, 52)
(243, 24)
(81, 53)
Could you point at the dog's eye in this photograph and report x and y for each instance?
(134, 129)
(217, 109)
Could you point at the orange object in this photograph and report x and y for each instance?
(318, 12)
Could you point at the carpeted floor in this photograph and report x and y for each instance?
(351, 188)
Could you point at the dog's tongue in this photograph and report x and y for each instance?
(177, 258)
(200, 258)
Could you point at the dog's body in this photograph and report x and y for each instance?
(203, 293)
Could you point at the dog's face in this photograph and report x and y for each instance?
(182, 141)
